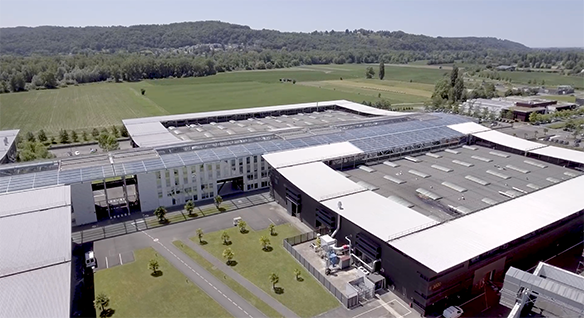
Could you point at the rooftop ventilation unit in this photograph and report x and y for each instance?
(517, 169)
(469, 147)
(482, 158)
(459, 209)
(519, 190)
(533, 186)
(452, 151)
(391, 164)
(498, 154)
(441, 168)
(412, 159)
(533, 163)
(428, 194)
(419, 174)
(489, 201)
(477, 180)
(462, 163)
(367, 169)
(510, 194)
(433, 155)
(394, 179)
(367, 186)
(498, 174)
(570, 174)
(552, 180)
(453, 186)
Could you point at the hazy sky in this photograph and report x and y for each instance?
(535, 23)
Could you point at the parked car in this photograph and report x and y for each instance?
(90, 260)
(452, 312)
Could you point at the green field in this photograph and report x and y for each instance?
(551, 79)
(306, 298)
(230, 282)
(133, 292)
(562, 98)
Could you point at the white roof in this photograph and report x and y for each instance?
(378, 215)
(508, 140)
(311, 154)
(561, 153)
(449, 244)
(468, 128)
(149, 132)
(319, 181)
(35, 239)
(45, 292)
(10, 135)
(33, 200)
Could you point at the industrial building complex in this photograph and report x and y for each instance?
(434, 204)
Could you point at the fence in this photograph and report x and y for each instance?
(288, 245)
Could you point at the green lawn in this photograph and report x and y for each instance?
(230, 282)
(563, 98)
(106, 104)
(306, 298)
(133, 292)
(551, 79)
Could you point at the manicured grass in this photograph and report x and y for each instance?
(231, 283)
(306, 298)
(133, 292)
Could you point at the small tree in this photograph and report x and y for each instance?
(101, 302)
(200, 235)
(108, 142)
(265, 242)
(218, 201)
(95, 133)
(74, 136)
(297, 273)
(143, 91)
(242, 226)
(225, 238)
(190, 207)
(160, 213)
(381, 70)
(53, 140)
(369, 73)
(153, 266)
(274, 279)
(85, 136)
(272, 228)
(30, 137)
(123, 131)
(115, 131)
(42, 136)
(228, 254)
(64, 136)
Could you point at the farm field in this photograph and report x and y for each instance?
(133, 292)
(551, 79)
(307, 298)
(562, 98)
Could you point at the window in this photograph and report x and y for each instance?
(255, 185)
(159, 194)
(158, 175)
(264, 184)
(247, 160)
(255, 159)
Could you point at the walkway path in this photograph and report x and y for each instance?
(283, 310)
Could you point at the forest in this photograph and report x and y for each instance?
(48, 57)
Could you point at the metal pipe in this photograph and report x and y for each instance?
(363, 262)
(338, 226)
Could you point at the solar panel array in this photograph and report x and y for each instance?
(370, 139)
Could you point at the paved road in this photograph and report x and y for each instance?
(108, 252)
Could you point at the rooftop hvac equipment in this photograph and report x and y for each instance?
(570, 174)
(552, 180)
(391, 164)
(517, 169)
(367, 169)
(459, 209)
(489, 201)
(428, 194)
(498, 154)
(433, 155)
(533, 163)
(412, 159)
(419, 174)
(453, 186)
(510, 194)
(481, 158)
(452, 151)
(498, 174)
(533, 186)
(367, 186)
(477, 180)
(441, 168)
(393, 179)
(469, 147)
(462, 163)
